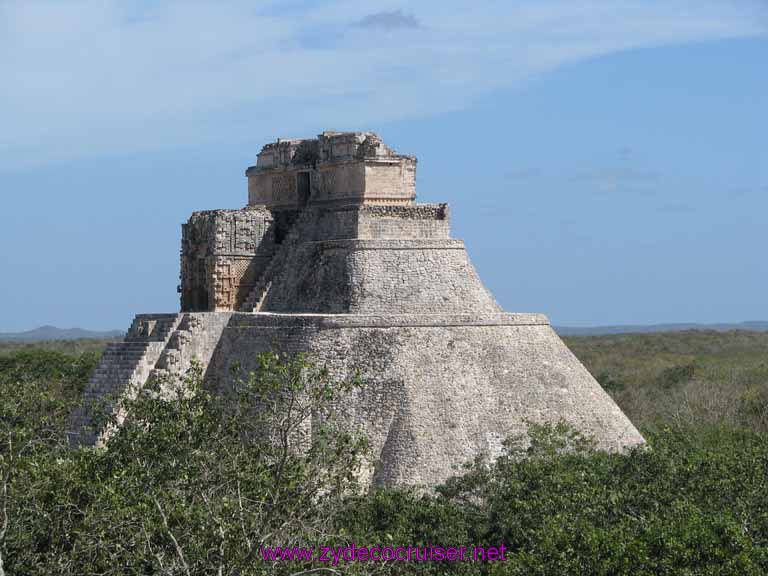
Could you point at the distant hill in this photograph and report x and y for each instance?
(752, 326)
(53, 333)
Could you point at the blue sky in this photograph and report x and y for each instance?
(605, 161)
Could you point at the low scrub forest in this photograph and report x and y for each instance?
(198, 483)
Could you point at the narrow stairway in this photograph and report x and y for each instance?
(255, 299)
(122, 365)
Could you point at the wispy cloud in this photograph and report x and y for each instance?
(612, 180)
(106, 76)
(393, 20)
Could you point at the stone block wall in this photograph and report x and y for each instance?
(389, 182)
(276, 188)
(428, 221)
(371, 276)
(369, 221)
(438, 390)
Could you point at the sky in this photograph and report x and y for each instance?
(605, 161)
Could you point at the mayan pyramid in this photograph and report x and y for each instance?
(333, 256)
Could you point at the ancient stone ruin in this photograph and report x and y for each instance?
(333, 256)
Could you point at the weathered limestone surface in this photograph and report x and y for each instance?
(384, 276)
(439, 388)
(332, 257)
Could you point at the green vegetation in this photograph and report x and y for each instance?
(195, 483)
(71, 347)
(39, 387)
(683, 378)
(693, 504)
(190, 482)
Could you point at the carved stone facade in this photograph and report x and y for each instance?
(332, 257)
(223, 253)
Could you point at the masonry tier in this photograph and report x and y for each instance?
(347, 258)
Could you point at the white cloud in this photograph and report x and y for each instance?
(619, 179)
(106, 76)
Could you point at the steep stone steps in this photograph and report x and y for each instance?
(195, 338)
(257, 296)
(124, 366)
(151, 328)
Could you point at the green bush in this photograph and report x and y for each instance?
(693, 502)
(193, 483)
(189, 482)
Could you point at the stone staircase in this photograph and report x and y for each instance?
(122, 360)
(194, 339)
(125, 367)
(255, 299)
(156, 346)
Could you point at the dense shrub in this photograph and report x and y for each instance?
(191, 483)
(694, 502)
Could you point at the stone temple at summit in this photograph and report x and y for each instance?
(333, 256)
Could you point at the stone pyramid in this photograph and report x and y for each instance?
(332, 256)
